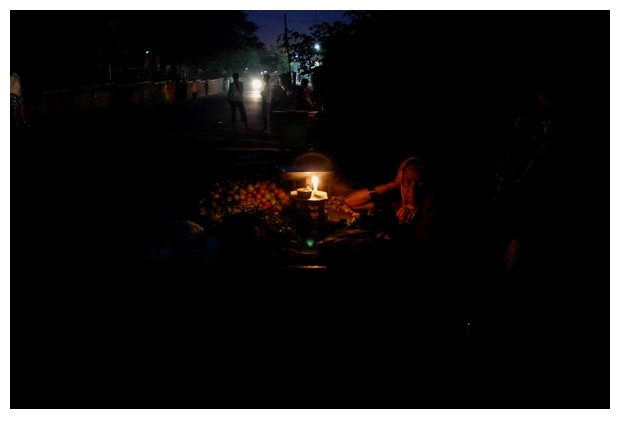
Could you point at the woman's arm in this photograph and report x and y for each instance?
(363, 198)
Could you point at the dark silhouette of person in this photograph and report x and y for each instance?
(266, 95)
(533, 201)
(279, 94)
(524, 189)
(194, 88)
(235, 98)
(304, 97)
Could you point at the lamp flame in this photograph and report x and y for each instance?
(315, 182)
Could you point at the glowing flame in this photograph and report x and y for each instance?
(315, 182)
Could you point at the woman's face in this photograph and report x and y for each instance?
(412, 185)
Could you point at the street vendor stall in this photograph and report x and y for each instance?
(277, 220)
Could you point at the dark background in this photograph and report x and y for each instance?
(443, 84)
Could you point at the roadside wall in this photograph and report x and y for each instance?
(113, 96)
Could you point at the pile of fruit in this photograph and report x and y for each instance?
(337, 210)
(242, 196)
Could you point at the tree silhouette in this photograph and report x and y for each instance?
(74, 48)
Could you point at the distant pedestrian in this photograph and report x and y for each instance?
(304, 97)
(279, 96)
(194, 88)
(235, 98)
(18, 110)
(170, 90)
(266, 98)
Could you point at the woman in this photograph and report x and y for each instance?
(409, 197)
(396, 229)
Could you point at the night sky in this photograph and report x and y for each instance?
(271, 22)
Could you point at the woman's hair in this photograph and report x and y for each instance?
(415, 161)
(421, 164)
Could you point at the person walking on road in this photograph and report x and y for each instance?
(266, 98)
(235, 98)
(194, 88)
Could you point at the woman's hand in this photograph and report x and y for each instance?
(405, 214)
